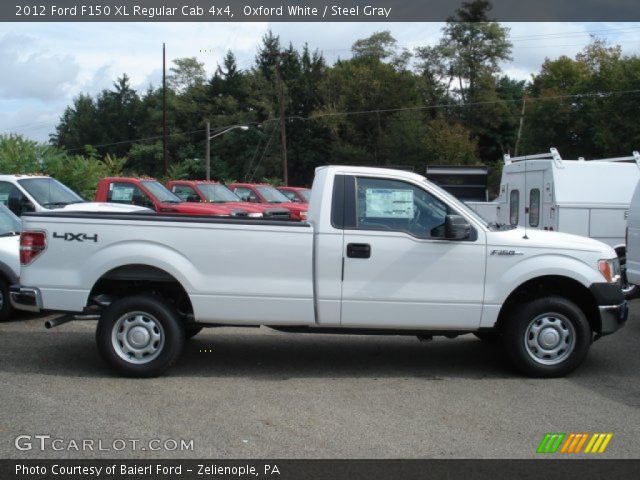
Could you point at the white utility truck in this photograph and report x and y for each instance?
(590, 198)
(383, 252)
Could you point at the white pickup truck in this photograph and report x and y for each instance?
(383, 252)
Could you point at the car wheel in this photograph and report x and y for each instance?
(140, 336)
(6, 310)
(547, 337)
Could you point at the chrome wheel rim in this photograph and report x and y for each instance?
(550, 338)
(137, 337)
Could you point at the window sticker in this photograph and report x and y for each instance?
(122, 194)
(388, 203)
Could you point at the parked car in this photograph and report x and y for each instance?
(40, 193)
(212, 192)
(10, 227)
(385, 251)
(267, 194)
(547, 192)
(149, 193)
(296, 194)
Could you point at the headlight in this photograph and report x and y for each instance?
(610, 269)
(255, 215)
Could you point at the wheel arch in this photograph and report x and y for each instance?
(136, 278)
(557, 285)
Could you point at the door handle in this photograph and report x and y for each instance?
(358, 250)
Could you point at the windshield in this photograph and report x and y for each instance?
(9, 224)
(271, 194)
(217, 193)
(49, 192)
(160, 192)
(306, 194)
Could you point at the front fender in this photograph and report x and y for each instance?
(509, 277)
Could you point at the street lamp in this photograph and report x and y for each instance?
(209, 137)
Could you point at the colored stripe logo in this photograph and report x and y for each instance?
(574, 443)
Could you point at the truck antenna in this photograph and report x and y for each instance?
(525, 237)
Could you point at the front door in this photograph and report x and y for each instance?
(399, 270)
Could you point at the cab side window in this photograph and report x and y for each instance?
(128, 194)
(393, 205)
(14, 199)
(185, 193)
(246, 194)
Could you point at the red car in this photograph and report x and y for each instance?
(296, 194)
(213, 192)
(267, 194)
(148, 192)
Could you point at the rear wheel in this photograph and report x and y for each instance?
(140, 336)
(6, 310)
(547, 337)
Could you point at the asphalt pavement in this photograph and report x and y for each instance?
(255, 393)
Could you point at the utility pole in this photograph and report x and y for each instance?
(207, 154)
(164, 110)
(283, 131)
(524, 103)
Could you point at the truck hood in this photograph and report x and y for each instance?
(545, 239)
(193, 208)
(103, 207)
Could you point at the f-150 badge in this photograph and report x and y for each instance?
(76, 237)
(506, 252)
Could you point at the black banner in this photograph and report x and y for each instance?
(309, 10)
(320, 469)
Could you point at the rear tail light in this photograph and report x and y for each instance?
(32, 244)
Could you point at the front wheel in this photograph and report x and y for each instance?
(140, 336)
(547, 337)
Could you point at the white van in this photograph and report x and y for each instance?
(590, 198)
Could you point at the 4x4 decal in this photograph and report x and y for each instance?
(76, 237)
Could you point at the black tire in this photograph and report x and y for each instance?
(150, 314)
(489, 336)
(6, 310)
(192, 330)
(550, 314)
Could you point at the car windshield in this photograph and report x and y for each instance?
(160, 192)
(271, 194)
(306, 194)
(10, 225)
(49, 192)
(216, 193)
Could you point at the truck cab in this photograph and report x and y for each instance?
(204, 191)
(268, 195)
(149, 193)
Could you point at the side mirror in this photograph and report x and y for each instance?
(19, 205)
(456, 228)
(193, 198)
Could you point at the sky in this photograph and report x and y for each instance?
(43, 66)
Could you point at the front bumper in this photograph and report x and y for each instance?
(612, 306)
(612, 317)
(25, 298)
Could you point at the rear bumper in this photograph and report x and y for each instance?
(25, 298)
